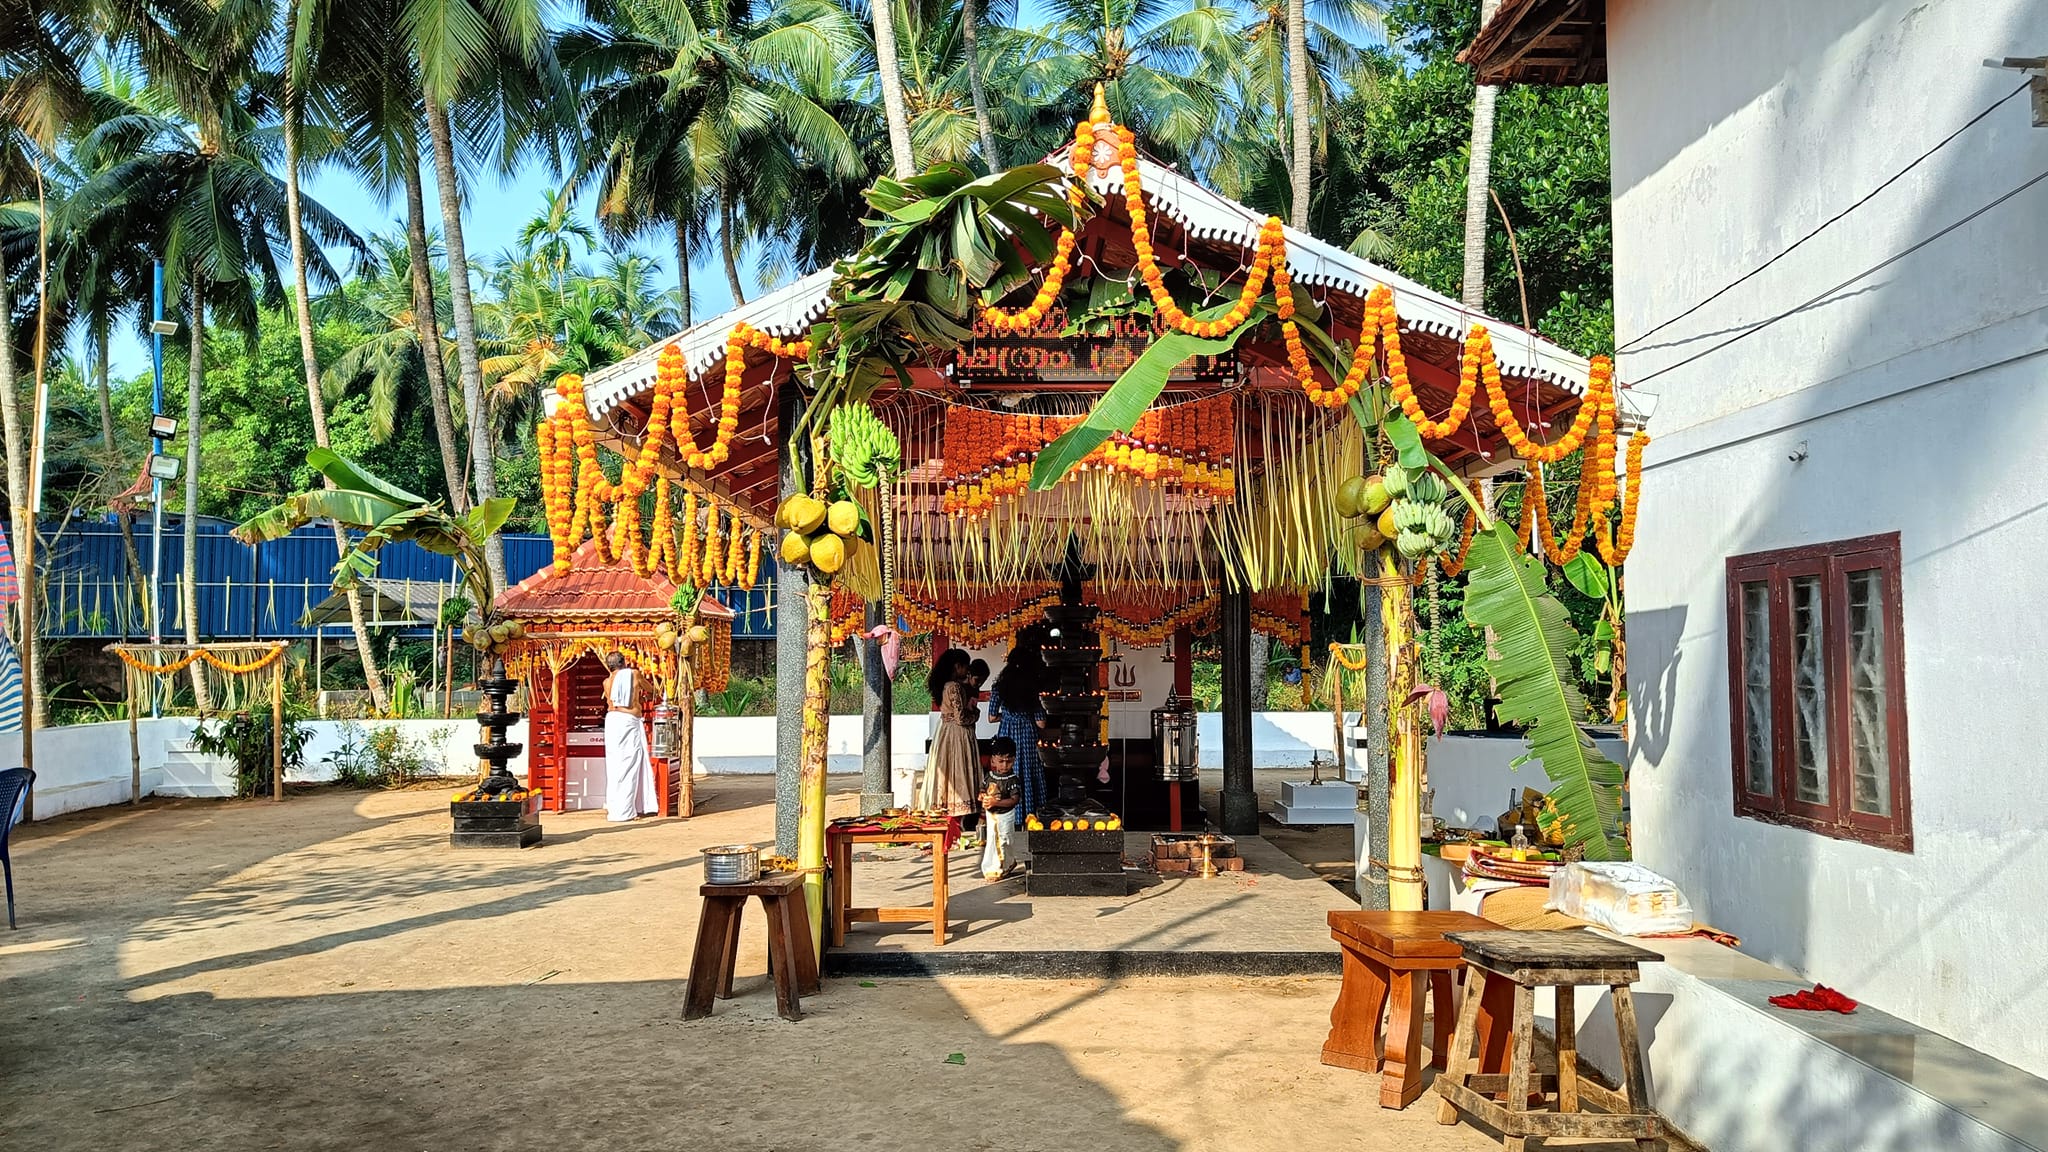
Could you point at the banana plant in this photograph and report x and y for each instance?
(1532, 642)
(1529, 657)
(938, 242)
(364, 502)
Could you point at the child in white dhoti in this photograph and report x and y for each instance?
(1000, 797)
(629, 767)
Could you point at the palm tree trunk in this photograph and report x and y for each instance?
(970, 31)
(482, 458)
(1478, 178)
(427, 322)
(302, 308)
(683, 271)
(124, 518)
(10, 408)
(1301, 169)
(728, 245)
(195, 379)
(894, 107)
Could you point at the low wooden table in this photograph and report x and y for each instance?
(1395, 955)
(792, 961)
(839, 844)
(1526, 961)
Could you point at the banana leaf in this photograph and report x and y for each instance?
(1532, 641)
(1126, 400)
(347, 474)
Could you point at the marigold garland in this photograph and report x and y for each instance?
(1339, 653)
(707, 567)
(1599, 392)
(1478, 348)
(753, 573)
(735, 553)
(190, 658)
(1614, 552)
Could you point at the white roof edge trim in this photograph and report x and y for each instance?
(793, 308)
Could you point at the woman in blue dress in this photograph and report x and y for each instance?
(1014, 706)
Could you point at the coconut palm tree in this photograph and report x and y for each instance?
(1297, 55)
(316, 58)
(378, 106)
(1478, 181)
(218, 216)
(463, 46)
(707, 111)
(1164, 70)
(547, 235)
(387, 361)
(895, 109)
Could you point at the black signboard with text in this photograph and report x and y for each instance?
(1043, 356)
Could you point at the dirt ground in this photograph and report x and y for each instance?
(328, 974)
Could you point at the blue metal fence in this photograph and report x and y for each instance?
(258, 591)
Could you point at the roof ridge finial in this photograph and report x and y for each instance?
(1100, 113)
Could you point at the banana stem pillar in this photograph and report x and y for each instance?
(810, 836)
(1404, 807)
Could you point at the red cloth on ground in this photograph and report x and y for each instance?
(1820, 998)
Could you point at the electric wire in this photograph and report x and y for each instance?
(1825, 224)
(1878, 267)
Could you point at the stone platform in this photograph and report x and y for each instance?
(1267, 920)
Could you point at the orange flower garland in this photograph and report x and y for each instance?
(660, 555)
(707, 568)
(686, 560)
(1453, 567)
(753, 572)
(1478, 350)
(1599, 390)
(1028, 317)
(735, 553)
(1613, 551)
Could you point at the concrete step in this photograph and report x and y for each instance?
(1738, 1075)
(189, 772)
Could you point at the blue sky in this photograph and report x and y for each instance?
(494, 209)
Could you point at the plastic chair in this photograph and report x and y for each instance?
(14, 786)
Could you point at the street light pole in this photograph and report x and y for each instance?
(156, 484)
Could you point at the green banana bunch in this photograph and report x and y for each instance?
(863, 447)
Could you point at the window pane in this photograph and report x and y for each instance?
(1756, 688)
(1870, 763)
(1809, 693)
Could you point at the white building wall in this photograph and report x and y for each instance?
(1918, 399)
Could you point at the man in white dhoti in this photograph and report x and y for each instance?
(629, 768)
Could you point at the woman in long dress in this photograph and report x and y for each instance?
(1013, 704)
(952, 774)
(628, 766)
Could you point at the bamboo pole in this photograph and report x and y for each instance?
(277, 729)
(686, 750)
(1404, 810)
(810, 844)
(134, 738)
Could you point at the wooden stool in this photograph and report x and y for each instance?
(791, 960)
(1527, 961)
(1394, 954)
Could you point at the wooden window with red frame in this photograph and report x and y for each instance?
(1816, 690)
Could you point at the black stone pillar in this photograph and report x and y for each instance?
(877, 703)
(791, 624)
(1240, 802)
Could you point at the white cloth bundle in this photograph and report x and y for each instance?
(1622, 897)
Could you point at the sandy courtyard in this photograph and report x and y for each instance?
(328, 974)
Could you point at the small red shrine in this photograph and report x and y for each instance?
(574, 619)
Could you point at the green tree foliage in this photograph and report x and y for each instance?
(1403, 138)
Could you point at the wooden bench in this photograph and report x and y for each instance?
(792, 961)
(1395, 955)
(1524, 962)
